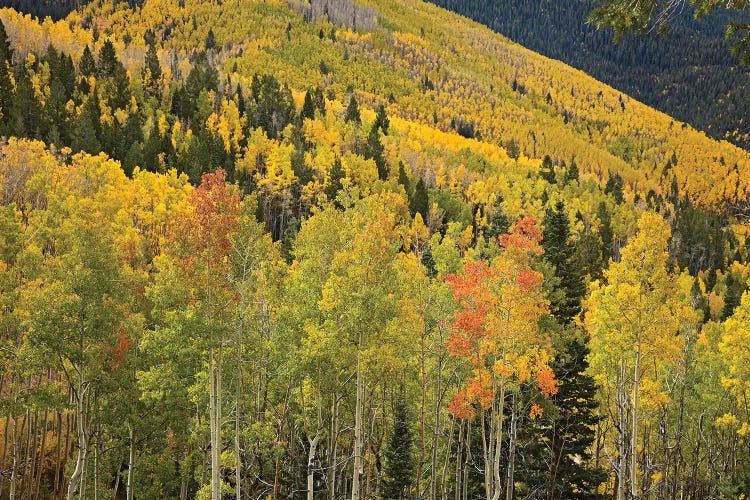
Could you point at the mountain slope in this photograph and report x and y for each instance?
(689, 74)
(417, 47)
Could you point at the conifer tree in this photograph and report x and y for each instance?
(420, 203)
(558, 251)
(152, 72)
(87, 65)
(352, 111)
(399, 462)
(334, 185)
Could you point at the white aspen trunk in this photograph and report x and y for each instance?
(510, 486)
(213, 424)
(634, 435)
(238, 417)
(499, 443)
(358, 441)
(334, 447)
(311, 464)
(621, 459)
(14, 461)
(78, 477)
(129, 486)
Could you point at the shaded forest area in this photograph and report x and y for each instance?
(689, 73)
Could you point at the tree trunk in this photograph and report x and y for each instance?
(215, 421)
(358, 438)
(510, 482)
(78, 477)
(14, 459)
(333, 447)
(311, 465)
(129, 492)
(621, 458)
(634, 437)
(499, 443)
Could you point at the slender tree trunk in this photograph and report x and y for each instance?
(634, 435)
(358, 431)
(238, 418)
(215, 368)
(499, 443)
(129, 487)
(43, 453)
(96, 468)
(333, 457)
(510, 483)
(422, 412)
(5, 450)
(488, 458)
(311, 465)
(459, 453)
(14, 459)
(78, 477)
(621, 458)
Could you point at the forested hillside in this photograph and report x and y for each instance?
(689, 73)
(267, 249)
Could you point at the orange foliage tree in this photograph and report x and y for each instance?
(495, 330)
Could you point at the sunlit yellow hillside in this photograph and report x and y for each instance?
(438, 69)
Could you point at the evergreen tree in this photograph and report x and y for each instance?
(428, 261)
(605, 232)
(86, 128)
(498, 222)
(547, 172)
(26, 110)
(210, 40)
(403, 179)
(334, 184)
(572, 173)
(352, 111)
(559, 252)
(566, 470)
(732, 296)
(374, 150)
(152, 73)
(513, 150)
(6, 85)
(308, 107)
(420, 203)
(87, 65)
(399, 463)
(108, 62)
(614, 187)
(381, 120)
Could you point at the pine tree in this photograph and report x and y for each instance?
(614, 187)
(374, 150)
(513, 150)
(571, 429)
(87, 65)
(334, 185)
(108, 61)
(572, 173)
(605, 232)
(547, 171)
(152, 72)
(6, 85)
(420, 203)
(399, 462)
(403, 179)
(381, 120)
(308, 107)
(559, 252)
(732, 296)
(498, 222)
(352, 111)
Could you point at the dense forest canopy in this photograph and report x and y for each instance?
(360, 251)
(687, 71)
